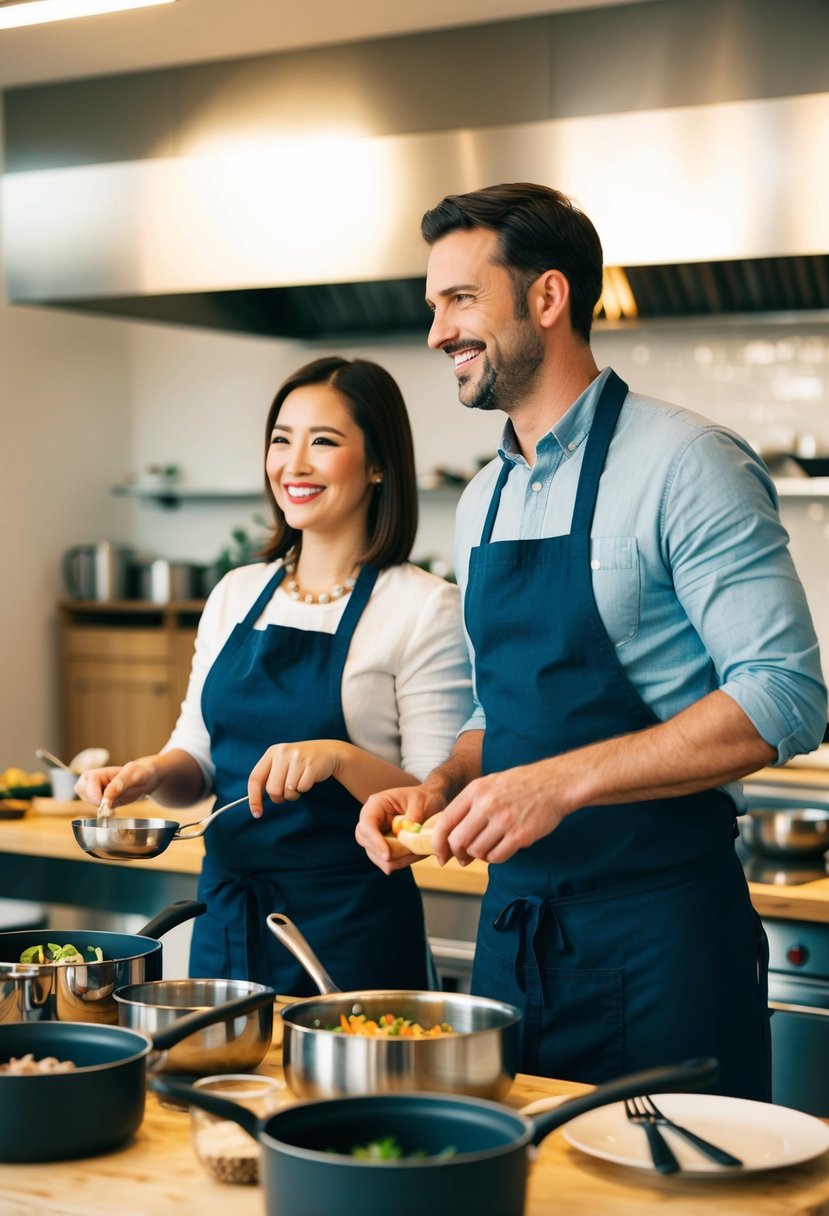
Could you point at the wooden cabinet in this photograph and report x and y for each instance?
(124, 671)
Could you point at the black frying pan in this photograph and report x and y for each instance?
(487, 1172)
(99, 1104)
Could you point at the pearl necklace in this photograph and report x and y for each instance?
(308, 597)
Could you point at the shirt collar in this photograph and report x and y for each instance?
(568, 433)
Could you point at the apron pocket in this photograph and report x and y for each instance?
(579, 1035)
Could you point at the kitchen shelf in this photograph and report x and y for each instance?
(802, 487)
(174, 495)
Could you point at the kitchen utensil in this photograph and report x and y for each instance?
(97, 572)
(235, 1045)
(480, 1058)
(121, 838)
(764, 1136)
(63, 784)
(100, 1103)
(647, 1110)
(162, 582)
(52, 761)
(90, 757)
(68, 993)
(786, 831)
(487, 1172)
(224, 1149)
(664, 1162)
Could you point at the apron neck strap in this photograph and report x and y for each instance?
(608, 408)
(263, 598)
(606, 415)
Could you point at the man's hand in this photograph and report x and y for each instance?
(495, 816)
(415, 802)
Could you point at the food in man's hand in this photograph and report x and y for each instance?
(389, 1026)
(415, 837)
(25, 1066)
(52, 953)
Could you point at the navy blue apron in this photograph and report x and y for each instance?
(626, 935)
(277, 685)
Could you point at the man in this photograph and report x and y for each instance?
(640, 641)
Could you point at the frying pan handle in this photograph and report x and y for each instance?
(191, 1022)
(171, 1088)
(688, 1077)
(204, 824)
(172, 915)
(286, 931)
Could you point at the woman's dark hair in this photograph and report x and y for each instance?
(378, 409)
(538, 229)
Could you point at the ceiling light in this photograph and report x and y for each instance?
(15, 13)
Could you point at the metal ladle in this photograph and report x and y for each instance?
(118, 838)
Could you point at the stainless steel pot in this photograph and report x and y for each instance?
(66, 992)
(237, 1044)
(786, 831)
(479, 1059)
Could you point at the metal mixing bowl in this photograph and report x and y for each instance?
(786, 831)
(236, 1044)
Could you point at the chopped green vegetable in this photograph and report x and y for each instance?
(53, 953)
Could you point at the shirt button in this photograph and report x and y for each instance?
(571, 447)
(535, 487)
(595, 564)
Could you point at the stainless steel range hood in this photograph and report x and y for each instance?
(709, 209)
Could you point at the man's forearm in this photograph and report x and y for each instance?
(463, 766)
(707, 745)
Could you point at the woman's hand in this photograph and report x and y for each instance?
(288, 770)
(119, 784)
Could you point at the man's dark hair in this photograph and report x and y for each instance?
(538, 229)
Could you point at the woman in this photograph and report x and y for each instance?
(333, 670)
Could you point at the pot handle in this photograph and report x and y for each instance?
(191, 1022)
(688, 1077)
(283, 928)
(170, 1088)
(172, 915)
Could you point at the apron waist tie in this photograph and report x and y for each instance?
(527, 916)
(248, 899)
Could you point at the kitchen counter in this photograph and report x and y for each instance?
(158, 1174)
(56, 870)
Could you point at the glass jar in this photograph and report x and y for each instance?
(224, 1148)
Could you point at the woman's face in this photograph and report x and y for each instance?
(317, 464)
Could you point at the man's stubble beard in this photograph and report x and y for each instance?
(502, 388)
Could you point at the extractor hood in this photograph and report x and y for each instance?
(704, 209)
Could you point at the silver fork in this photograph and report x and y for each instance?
(652, 1112)
(663, 1158)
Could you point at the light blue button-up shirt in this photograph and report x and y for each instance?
(690, 563)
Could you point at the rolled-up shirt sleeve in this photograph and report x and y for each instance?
(734, 575)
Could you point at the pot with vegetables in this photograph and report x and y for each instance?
(386, 1040)
(413, 1153)
(70, 975)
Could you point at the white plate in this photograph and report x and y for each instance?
(763, 1136)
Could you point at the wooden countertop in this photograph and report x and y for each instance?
(158, 1174)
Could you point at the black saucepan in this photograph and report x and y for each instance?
(307, 1166)
(479, 1059)
(100, 1103)
(67, 992)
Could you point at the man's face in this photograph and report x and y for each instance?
(496, 353)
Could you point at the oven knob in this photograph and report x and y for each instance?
(798, 955)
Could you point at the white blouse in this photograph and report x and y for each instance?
(406, 687)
